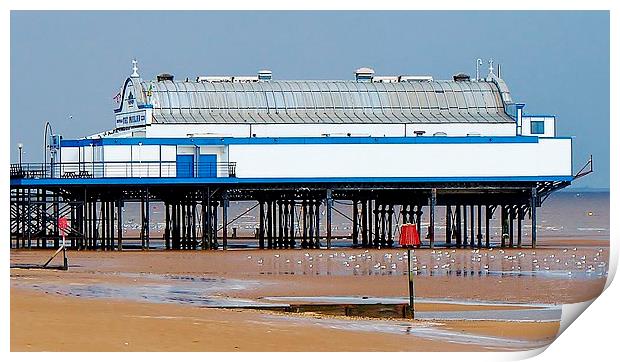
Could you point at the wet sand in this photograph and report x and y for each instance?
(459, 279)
(67, 324)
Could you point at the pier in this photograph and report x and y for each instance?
(198, 217)
(459, 158)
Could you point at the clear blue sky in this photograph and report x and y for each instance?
(72, 63)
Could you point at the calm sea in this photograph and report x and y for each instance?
(563, 215)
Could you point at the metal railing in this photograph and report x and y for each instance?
(123, 169)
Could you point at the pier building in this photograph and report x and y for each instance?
(388, 149)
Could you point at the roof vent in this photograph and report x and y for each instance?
(215, 79)
(385, 79)
(461, 77)
(245, 79)
(264, 74)
(165, 76)
(415, 78)
(364, 74)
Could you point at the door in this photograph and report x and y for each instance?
(185, 166)
(207, 166)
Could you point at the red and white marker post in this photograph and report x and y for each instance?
(63, 225)
(409, 238)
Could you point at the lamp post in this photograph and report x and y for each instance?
(20, 146)
(45, 146)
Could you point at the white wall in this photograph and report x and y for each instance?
(139, 161)
(526, 121)
(549, 157)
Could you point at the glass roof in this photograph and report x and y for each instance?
(326, 102)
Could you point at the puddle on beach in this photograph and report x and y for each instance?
(175, 289)
(210, 292)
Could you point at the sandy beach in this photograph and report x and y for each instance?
(466, 299)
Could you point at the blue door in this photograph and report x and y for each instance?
(185, 166)
(207, 166)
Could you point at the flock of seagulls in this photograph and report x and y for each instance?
(448, 261)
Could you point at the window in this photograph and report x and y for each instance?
(537, 127)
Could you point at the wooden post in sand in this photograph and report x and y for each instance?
(409, 237)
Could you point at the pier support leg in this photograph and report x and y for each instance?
(364, 223)
(504, 218)
(56, 208)
(418, 220)
(203, 224)
(355, 233)
(119, 223)
(465, 226)
(472, 225)
(304, 224)
(194, 225)
(285, 222)
(261, 225)
(489, 214)
(311, 225)
(390, 239)
(519, 219)
(147, 228)
(448, 225)
(280, 242)
(328, 214)
(479, 235)
(459, 234)
(292, 229)
(270, 224)
(431, 230)
(377, 225)
(533, 205)
(110, 224)
(225, 206)
(215, 245)
(317, 222)
(511, 218)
